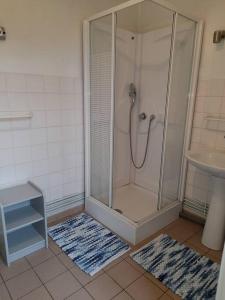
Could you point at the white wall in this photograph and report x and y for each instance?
(45, 37)
(41, 72)
(211, 92)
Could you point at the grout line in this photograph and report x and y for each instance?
(39, 278)
(3, 283)
(14, 276)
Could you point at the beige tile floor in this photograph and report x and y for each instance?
(50, 274)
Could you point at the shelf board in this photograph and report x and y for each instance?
(23, 242)
(18, 194)
(21, 217)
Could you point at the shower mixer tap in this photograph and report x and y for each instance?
(142, 116)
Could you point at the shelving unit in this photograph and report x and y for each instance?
(23, 225)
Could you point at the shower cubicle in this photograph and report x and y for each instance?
(140, 71)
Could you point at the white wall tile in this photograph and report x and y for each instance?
(21, 138)
(18, 101)
(7, 175)
(20, 124)
(69, 161)
(69, 189)
(55, 179)
(68, 117)
(55, 193)
(69, 147)
(41, 181)
(55, 164)
(55, 149)
(52, 101)
(39, 152)
(217, 87)
(39, 119)
(5, 125)
(53, 118)
(2, 82)
(22, 155)
(69, 133)
(68, 85)
(4, 102)
(34, 83)
(6, 157)
(54, 134)
(51, 84)
(69, 175)
(37, 101)
(23, 171)
(39, 167)
(68, 101)
(15, 82)
(6, 138)
(38, 136)
(34, 149)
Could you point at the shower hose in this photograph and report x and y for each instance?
(139, 166)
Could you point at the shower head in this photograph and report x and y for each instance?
(132, 93)
(218, 36)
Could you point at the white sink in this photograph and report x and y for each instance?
(214, 164)
(211, 162)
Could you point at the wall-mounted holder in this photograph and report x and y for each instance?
(5, 115)
(218, 36)
(2, 33)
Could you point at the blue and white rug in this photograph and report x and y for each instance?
(183, 270)
(88, 243)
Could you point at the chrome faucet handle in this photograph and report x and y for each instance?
(142, 116)
(152, 117)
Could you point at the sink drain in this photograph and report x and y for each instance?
(118, 210)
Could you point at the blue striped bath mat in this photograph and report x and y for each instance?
(183, 270)
(89, 244)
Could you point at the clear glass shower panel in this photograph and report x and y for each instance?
(143, 43)
(100, 107)
(177, 108)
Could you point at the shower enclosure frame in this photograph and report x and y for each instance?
(189, 120)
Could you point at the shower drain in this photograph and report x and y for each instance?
(118, 210)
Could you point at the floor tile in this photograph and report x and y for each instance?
(68, 263)
(40, 256)
(195, 243)
(124, 274)
(4, 295)
(83, 277)
(80, 295)
(182, 229)
(144, 289)
(39, 294)
(135, 265)
(216, 254)
(165, 297)
(213, 258)
(15, 268)
(156, 281)
(113, 263)
(23, 284)
(49, 269)
(173, 296)
(54, 247)
(103, 288)
(122, 296)
(63, 286)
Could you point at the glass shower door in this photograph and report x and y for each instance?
(177, 107)
(101, 108)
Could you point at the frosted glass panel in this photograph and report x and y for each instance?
(100, 107)
(177, 110)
